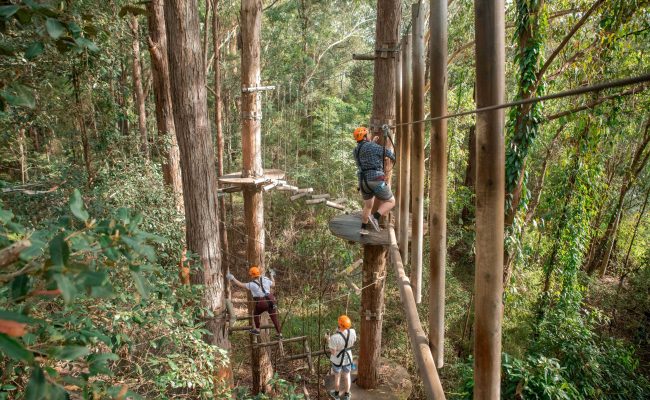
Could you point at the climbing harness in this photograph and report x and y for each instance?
(272, 304)
(364, 186)
(345, 352)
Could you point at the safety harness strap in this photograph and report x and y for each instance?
(344, 352)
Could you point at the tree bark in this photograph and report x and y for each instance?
(137, 87)
(218, 123)
(162, 92)
(82, 125)
(490, 186)
(251, 25)
(438, 188)
(374, 258)
(188, 89)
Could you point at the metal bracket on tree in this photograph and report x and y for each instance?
(372, 315)
(254, 89)
(387, 52)
(252, 115)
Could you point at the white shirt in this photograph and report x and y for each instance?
(337, 343)
(255, 289)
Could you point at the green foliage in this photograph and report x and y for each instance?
(283, 390)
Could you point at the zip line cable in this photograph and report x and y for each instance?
(567, 93)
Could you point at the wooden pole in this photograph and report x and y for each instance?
(398, 147)
(251, 24)
(417, 150)
(490, 90)
(405, 151)
(419, 341)
(374, 257)
(438, 187)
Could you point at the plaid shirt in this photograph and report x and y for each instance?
(370, 160)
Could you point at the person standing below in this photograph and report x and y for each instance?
(340, 345)
(369, 157)
(260, 287)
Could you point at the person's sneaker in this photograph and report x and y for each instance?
(278, 336)
(346, 396)
(334, 394)
(373, 221)
(364, 232)
(254, 332)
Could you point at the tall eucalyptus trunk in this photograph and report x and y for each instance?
(162, 92)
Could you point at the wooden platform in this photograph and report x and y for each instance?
(347, 226)
(235, 178)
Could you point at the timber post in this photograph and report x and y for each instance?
(374, 257)
(417, 151)
(490, 186)
(405, 150)
(251, 24)
(438, 185)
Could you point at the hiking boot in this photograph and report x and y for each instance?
(334, 394)
(346, 396)
(364, 232)
(373, 221)
(254, 332)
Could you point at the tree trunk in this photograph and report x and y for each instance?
(162, 92)
(218, 123)
(123, 121)
(438, 189)
(251, 24)
(190, 107)
(137, 87)
(524, 120)
(206, 34)
(374, 257)
(24, 177)
(82, 126)
(603, 245)
(467, 215)
(490, 186)
(636, 229)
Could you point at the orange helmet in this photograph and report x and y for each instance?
(360, 133)
(344, 322)
(254, 271)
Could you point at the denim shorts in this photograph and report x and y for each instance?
(379, 189)
(345, 368)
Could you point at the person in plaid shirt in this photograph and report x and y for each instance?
(369, 157)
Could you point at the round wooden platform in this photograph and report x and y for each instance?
(347, 226)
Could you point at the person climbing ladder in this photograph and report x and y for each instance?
(340, 345)
(369, 157)
(260, 288)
